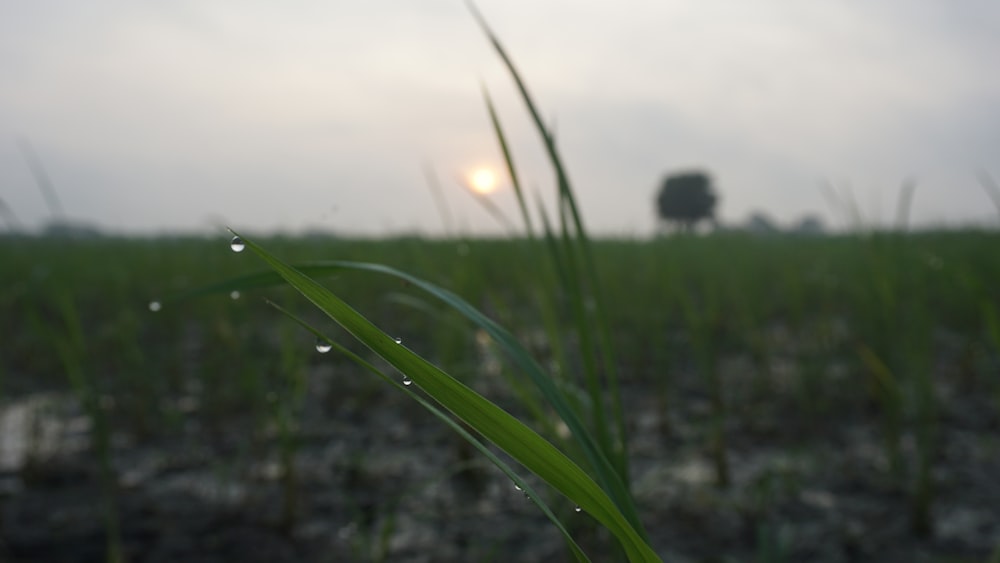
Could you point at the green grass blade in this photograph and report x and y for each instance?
(441, 415)
(604, 347)
(607, 474)
(529, 401)
(509, 160)
(550, 243)
(496, 425)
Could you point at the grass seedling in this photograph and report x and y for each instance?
(285, 413)
(704, 322)
(71, 350)
(897, 353)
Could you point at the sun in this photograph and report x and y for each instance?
(483, 181)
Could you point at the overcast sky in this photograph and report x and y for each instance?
(184, 115)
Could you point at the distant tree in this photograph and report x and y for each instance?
(685, 199)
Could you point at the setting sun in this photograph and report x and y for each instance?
(483, 181)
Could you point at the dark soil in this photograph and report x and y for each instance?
(377, 478)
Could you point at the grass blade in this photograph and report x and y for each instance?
(525, 445)
(511, 169)
(443, 417)
(607, 473)
(578, 242)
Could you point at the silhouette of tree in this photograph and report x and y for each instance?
(685, 199)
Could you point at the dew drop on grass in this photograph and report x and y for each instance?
(322, 346)
(407, 381)
(237, 244)
(155, 306)
(398, 340)
(234, 294)
(578, 509)
(522, 491)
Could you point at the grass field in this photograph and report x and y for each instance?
(785, 398)
(554, 397)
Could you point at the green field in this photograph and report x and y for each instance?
(724, 397)
(784, 399)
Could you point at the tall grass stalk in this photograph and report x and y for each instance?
(896, 349)
(71, 350)
(703, 327)
(583, 286)
(602, 443)
(286, 411)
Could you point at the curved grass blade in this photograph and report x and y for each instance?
(441, 415)
(528, 401)
(607, 475)
(525, 445)
(609, 478)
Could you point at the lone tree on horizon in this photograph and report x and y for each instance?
(685, 199)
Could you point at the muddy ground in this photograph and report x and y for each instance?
(377, 478)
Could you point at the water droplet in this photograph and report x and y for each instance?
(578, 509)
(237, 244)
(155, 306)
(398, 340)
(407, 381)
(322, 346)
(234, 294)
(517, 487)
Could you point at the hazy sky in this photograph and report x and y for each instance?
(181, 115)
